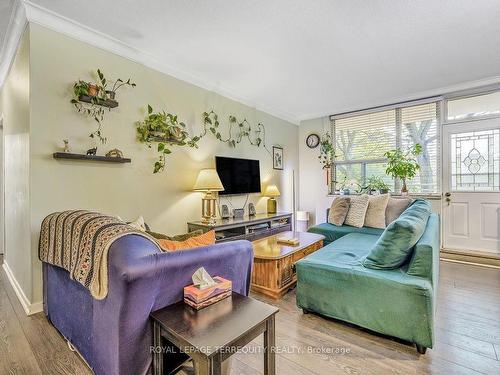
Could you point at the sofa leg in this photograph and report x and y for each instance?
(421, 349)
(304, 311)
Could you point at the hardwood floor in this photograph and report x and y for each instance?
(467, 335)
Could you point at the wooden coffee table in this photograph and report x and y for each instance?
(211, 335)
(273, 271)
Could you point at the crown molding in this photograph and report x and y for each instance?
(54, 21)
(15, 29)
(443, 91)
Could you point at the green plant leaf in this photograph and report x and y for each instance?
(150, 109)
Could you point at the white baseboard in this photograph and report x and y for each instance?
(29, 308)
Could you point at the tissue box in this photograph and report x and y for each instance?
(200, 298)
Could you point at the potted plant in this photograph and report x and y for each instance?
(97, 92)
(166, 129)
(376, 183)
(326, 151)
(403, 165)
(119, 83)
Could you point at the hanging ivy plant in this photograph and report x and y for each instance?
(97, 94)
(326, 151)
(166, 129)
(237, 130)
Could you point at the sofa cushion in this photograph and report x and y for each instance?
(204, 239)
(375, 214)
(333, 233)
(395, 207)
(396, 243)
(338, 210)
(177, 237)
(357, 211)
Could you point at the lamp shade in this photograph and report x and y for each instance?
(208, 180)
(272, 191)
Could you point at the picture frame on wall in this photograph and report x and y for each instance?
(278, 158)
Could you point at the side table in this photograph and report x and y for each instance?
(213, 334)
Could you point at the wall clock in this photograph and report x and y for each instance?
(312, 140)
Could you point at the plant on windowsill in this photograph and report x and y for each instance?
(166, 129)
(403, 165)
(375, 183)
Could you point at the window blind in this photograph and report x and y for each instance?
(362, 139)
(419, 124)
(366, 136)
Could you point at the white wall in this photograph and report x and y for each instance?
(165, 200)
(16, 120)
(313, 185)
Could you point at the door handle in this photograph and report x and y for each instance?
(448, 199)
(448, 194)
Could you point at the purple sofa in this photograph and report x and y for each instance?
(114, 334)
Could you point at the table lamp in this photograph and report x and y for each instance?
(208, 181)
(271, 192)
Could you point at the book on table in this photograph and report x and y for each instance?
(288, 240)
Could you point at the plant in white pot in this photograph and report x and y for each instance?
(403, 165)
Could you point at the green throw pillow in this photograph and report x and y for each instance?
(179, 237)
(397, 241)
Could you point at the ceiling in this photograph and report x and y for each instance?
(304, 59)
(6, 9)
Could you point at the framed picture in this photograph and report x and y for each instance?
(277, 157)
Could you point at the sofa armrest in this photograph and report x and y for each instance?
(143, 279)
(136, 258)
(424, 261)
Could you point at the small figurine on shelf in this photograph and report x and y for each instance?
(92, 151)
(114, 153)
(66, 146)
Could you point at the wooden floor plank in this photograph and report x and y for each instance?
(48, 347)
(467, 337)
(16, 356)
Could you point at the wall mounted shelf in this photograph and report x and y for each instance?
(67, 155)
(171, 141)
(105, 103)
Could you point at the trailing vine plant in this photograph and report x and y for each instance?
(97, 92)
(326, 151)
(166, 129)
(243, 130)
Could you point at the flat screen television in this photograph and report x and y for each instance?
(238, 176)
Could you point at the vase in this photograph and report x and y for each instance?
(93, 90)
(404, 188)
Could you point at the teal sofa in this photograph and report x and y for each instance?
(334, 282)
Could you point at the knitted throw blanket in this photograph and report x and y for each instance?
(79, 241)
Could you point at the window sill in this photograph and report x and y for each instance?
(436, 197)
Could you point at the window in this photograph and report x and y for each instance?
(473, 107)
(362, 139)
(475, 161)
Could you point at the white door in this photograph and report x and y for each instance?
(471, 183)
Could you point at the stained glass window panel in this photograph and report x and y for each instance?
(475, 161)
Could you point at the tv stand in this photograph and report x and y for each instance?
(247, 228)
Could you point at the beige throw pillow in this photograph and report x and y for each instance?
(357, 211)
(375, 214)
(395, 207)
(338, 210)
